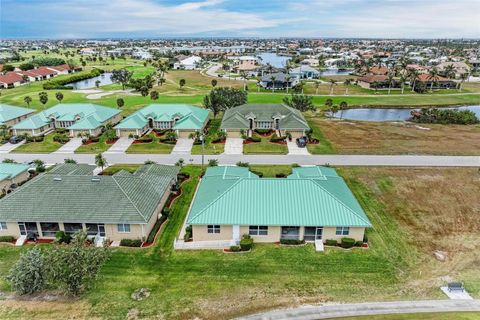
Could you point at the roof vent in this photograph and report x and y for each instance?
(57, 179)
(95, 179)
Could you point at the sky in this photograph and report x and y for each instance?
(239, 18)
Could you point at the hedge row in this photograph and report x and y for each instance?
(61, 83)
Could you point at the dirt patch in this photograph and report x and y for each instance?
(32, 309)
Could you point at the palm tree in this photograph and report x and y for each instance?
(287, 79)
(100, 161)
(413, 76)
(214, 83)
(449, 71)
(59, 96)
(181, 83)
(258, 85)
(244, 76)
(463, 78)
(273, 78)
(27, 100)
(317, 85)
(329, 103)
(332, 83)
(343, 105)
(347, 82)
(390, 81)
(433, 77)
(402, 82)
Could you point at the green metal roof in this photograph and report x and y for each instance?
(237, 118)
(190, 117)
(8, 112)
(308, 197)
(91, 116)
(11, 170)
(69, 197)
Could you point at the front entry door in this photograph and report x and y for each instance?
(236, 233)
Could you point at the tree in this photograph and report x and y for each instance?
(144, 91)
(343, 105)
(39, 165)
(59, 96)
(122, 76)
(214, 83)
(433, 76)
(154, 95)
(69, 161)
(28, 274)
(390, 81)
(221, 99)
(333, 109)
(171, 136)
(76, 266)
(26, 66)
(329, 103)
(402, 82)
(413, 76)
(449, 71)
(97, 83)
(332, 83)
(273, 78)
(7, 68)
(43, 96)
(347, 82)
(317, 85)
(100, 161)
(287, 80)
(27, 100)
(463, 78)
(120, 102)
(181, 83)
(300, 102)
(244, 76)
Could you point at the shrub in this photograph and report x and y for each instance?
(331, 242)
(254, 139)
(130, 242)
(28, 274)
(243, 164)
(276, 138)
(95, 139)
(365, 238)
(60, 130)
(6, 238)
(258, 173)
(280, 175)
(62, 237)
(61, 138)
(61, 83)
(212, 162)
(246, 243)
(358, 243)
(292, 242)
(188, 233)
(263, 131)
(347, 242)
(39, 138)
(146, 139)
(235, 248)
(166, 212)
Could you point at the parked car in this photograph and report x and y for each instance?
(15, 139)
(302, 142)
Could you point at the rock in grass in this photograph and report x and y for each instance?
(440, 255)
(140, 294)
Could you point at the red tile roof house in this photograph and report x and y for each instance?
(381, 80)
(44, 72)
(438, 83)
(64, 69)
(32, 76)
(379, 70)
(11, 79)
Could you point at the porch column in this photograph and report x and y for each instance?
(236, 233)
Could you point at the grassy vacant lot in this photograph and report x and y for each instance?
(362, 137)
(421, 316)
(46, 146)
(414, 211)
(265, 147)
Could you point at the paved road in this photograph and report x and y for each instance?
(334, 160)
(366, 309)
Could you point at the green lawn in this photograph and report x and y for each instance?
(46, 146)
(155, 147)
(421, 316)
(209, 284)
(210, 148)
(265, 147)
(97, 147)
(118, 167)
(324, 146)
(271, 171)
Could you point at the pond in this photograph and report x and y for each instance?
(273, 59)
(392, 114)
(335, 72)
(90, 83)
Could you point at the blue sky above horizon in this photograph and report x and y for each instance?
(239, 18)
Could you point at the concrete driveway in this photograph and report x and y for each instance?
(234, 146)
(70, 146)
(120, 146)
(7, 147)
(294, 149)
(183, 146)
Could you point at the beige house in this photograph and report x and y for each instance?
(69, 198)
(11, 115)
(11, 175)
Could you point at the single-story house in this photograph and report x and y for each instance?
(184, 119)
(378, 70)
(70, 198)
(458, 67)
(313, 203)
(277, 117)
(64, 69)
(305, 72)
(189, 63)
(11, 174)
(377, 81)
(11, 80)
(438, 83)
(10, 115)
(277, 81)
(84, 118)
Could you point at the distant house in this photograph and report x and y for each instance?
(64, 69)
(69, 198)
(372, 81)
(278, 81)
(419, 68)
(11, 80)
(313, 203)
(438, 83)
(305, 72)
(12, 174)
(189, 63)
(458, 67)
(85, 118)
(183, 119)
(277, 117)
(247, 64)
(378, 70)
(10, 115)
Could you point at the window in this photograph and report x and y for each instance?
(213, 228)
(49, 228)
(3, 226)
(342, 231)
(258, 230)
(71, 228)
(123, 228)
(93, 229)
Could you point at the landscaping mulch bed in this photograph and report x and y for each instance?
(111, 141)
(219, 142)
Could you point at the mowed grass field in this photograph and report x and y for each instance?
(413, 212)
(362, 137)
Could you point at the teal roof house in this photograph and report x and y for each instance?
(313, 203)
(182, 118)
(71, 198)
(12, 174)
(10, 115)
(75, 117)
(276, 117)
